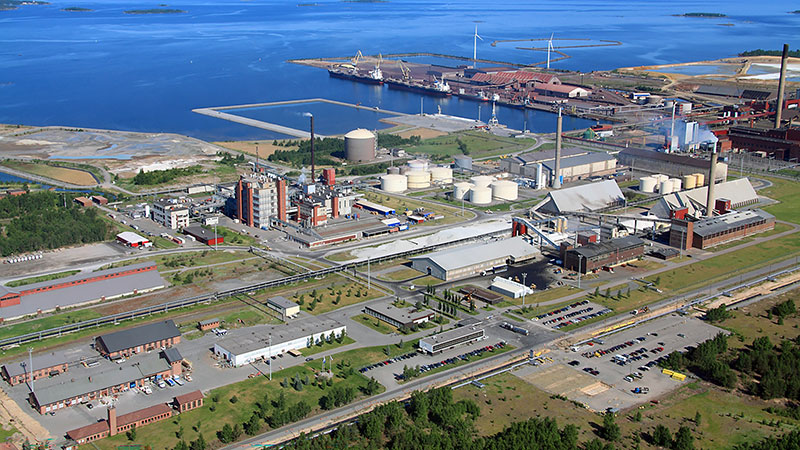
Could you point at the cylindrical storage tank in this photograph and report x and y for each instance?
(404, 170)
(463, 162)
(676, 184)
(689, 181)
(461, 190)
(394, 183)
(393, 170)
(665, 187)
(482, 180)
(441, 175)
(660, 177)
(418, 180)
(505, 190)
(359, 145)
(480, 195)
(647, 184)
(700, 179)
(654, 99)
(418, 165)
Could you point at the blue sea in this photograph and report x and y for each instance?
(108, 69)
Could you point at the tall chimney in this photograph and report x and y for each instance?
(711, 182)
(781, 86)
(112, 421)
(557, 177)
(313, 178)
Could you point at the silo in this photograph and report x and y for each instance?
(482, 180)
(647, 184)
(394, 183)
(701, 179)
(480, 195)
(676, 184)
(689, 181)
(418, 180)
(665, 187)
(505, 190)
(660, 177)
(359, 145)
(417, 165)
(393, 170)
(463, 162)
(442, 175)
(460, 190)
(404, 170)
(654, 99)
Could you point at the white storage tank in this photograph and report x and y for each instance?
(480, 195)
(394, 183)
(665, 187)
(647, 184)
(689, 181)
(700, 179)
(461, 190)
(660, 178)
(442, 175)
(482, 180)
(418, 179)
(505, 190)
(418, 165)
(393, 170)
(676, 184)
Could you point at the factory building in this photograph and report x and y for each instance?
(580, 167)
(560, 90)
(320, 202)
(255, 344)
(359, 145)
(474, 259)
(510, 288)
(587, 197)
(525, 164)
(450, 339)
(686, 233)
(495, 78)
(170, 214)
(481, 294)
(602, 254)
(259, 198)
(203, 236)
(283, 306)
(740, 193)
(669, 163)
(133, 240)
(782, 143)
(43, 366)
(139, 339)
(399, 317)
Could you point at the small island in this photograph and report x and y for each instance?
(77, 9)
(155, 11)
(8, 5)
(762, 52)
(701, 14)
(796, 11)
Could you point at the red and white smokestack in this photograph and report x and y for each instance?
(557, 169)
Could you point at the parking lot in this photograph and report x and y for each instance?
(620, 371)
(573, 313)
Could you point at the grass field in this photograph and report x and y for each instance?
(752, 321)
(477, 144)
(400, 204)
(406, 273)
(63, 174)
(41, 278)
(264, 148)
(541, 296)
(327, 294)
(376, 324)
(779, 228)
(786, 192)
(308, 351)
(234, 238)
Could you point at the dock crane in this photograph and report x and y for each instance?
(404, 70)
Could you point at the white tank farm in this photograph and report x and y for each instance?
(442, 175)
(418, 179)
(700, 179)
(417, 165)
(394, 183)
(647, 184)
(676, 184)
(480, 195)
(461, 190)
(689, 181)
(665, 187)
(505, 190)
(483, 181)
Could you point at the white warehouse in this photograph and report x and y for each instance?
(254, 343)
(474, 259)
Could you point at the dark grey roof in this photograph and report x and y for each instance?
(281, 302)
(726, 222)
(209, 321)
(172, 355)
(39, 362)
(145, 334)
(667, 157)
(589, 158)
(199, 232)
(609, 246)
(468, 322)
(544, 155)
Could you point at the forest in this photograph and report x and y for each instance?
(162, 176)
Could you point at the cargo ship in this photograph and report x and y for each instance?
(374, 76)
(437, 89)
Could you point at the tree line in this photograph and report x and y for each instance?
(324, 149)
(162, 176)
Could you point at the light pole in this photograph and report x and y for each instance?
(269, 363)
(30, 365)
(216, 237)
(524, 286)
(369, 284)
(580, 258)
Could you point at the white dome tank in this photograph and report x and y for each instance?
(442, 175)
(660, 178)
(689, 181)
(461, 190)
(418, 165)
(700, 179)
(482, 180)
(480, 195)
(665, 187)
(418, 180)
(647, 184)
(676, 184)
(505, 190)
(394, 183)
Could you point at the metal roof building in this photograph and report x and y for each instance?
(740, 192)
(607, 253)
(449, 339)
(138, 339)
(474, 259)
(586, 197)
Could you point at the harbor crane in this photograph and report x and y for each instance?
(404, 70)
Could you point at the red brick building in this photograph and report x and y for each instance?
(114, 425)
(44, 366)
(607, 253)
(188, 402)
(717, 230)
(138, 339)
(209, 324)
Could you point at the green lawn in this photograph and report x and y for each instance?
(6, 431)
(40, 278)
(341, 257)
(45, 323)
(478, 144)
(308, 351)
(787, 193)
(401, 204)
(231, 237)
(403, 274)
(779, 228)
(461, 362)
(374, 323)
(349, 292)
(369, 355)
(542, 296)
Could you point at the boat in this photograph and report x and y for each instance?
(437, 89)
(372, 77)
(479, 96)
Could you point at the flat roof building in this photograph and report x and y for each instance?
(580, 167)
(374, 207)
(399, 317)
(450, 339)
(602, 254)
(133, 240)
(47, 365)
(708, 232)
(510, 288)
(138, 339)
(114, 425)
(284, 306)
(672, 164)
(204, 236)
(474, 259)
(171, 214)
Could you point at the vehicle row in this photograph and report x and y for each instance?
(387, 362)
(455, 359)
(568, 315)
(582, 318)
(564, 309)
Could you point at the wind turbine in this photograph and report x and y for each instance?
(549, 49)
(475, 48)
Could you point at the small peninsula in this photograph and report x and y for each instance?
(8, 5)
(701, 14)
(155, 11)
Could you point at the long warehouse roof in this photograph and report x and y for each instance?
(516, 248)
